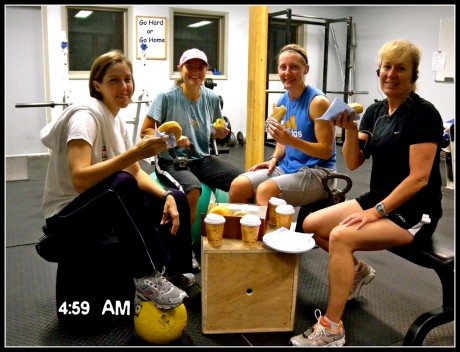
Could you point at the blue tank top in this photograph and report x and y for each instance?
(297, 121)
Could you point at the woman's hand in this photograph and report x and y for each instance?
(170, 214)
(221, 133)
(279, 133)
(361, 218)
(263, 165)
(346, 121)
(150, 146)
(183, 142)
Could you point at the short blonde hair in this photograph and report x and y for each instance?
(404, 50)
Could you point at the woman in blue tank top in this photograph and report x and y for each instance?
(305, 145)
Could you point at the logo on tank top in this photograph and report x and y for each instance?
(291, 125)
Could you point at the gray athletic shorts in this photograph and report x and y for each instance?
(300, 188)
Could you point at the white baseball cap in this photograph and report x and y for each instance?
(192, 54)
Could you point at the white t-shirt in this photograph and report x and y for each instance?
(94, 128)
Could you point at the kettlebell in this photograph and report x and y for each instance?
(181, 161)
(337, 195)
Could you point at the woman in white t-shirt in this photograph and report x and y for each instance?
(95, 185)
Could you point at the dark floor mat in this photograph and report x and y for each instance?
(379, 316)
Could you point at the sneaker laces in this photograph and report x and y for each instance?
(318, 329)
(160, 283)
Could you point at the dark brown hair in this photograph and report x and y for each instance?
(100, 67)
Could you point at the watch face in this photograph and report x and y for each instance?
(381, 209)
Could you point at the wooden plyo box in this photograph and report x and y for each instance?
(247, 289)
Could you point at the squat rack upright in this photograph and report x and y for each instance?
(326, 23)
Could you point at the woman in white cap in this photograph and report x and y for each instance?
(195, 108)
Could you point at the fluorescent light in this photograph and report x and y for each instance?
(199, 24)
(83, 14)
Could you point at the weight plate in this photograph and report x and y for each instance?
(240, 138)
(232, 141)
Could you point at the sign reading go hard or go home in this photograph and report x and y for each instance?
(151, 38)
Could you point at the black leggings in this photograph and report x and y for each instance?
(118, 205)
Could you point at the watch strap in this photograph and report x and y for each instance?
(275, 157)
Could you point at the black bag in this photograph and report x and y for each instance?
(50, 246)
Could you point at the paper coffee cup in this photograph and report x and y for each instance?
(284, 215)
(272, 204)
(214, 228)
(250, 224)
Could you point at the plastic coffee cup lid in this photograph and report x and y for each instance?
(285, 209)
(250, 220)
(214, 219)
(277, 201)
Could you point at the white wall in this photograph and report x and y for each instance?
(24, 80)
(420, 24)
(374, 26)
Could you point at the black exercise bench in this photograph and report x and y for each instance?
(436, 252)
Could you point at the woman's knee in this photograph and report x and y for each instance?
(123, 179)
(266, 190)
(240, 187)
(340, 239)
(177, 193)
(238, 183)
(312, 224)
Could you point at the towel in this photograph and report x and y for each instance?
(54, 135)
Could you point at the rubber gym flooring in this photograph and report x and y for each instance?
(379, 317)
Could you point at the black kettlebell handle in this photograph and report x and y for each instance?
(174, 155)
(337, 195)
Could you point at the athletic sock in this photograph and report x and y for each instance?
(334, 326)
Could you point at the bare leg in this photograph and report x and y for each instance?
(343, 242)
(240, 190)
(193, 196)
(265, 191)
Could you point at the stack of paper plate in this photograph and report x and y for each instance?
(287, 241)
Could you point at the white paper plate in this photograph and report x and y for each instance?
(287, 241)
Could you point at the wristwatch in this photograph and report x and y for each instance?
(381, 209)
(275, 157)
(167, 193)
